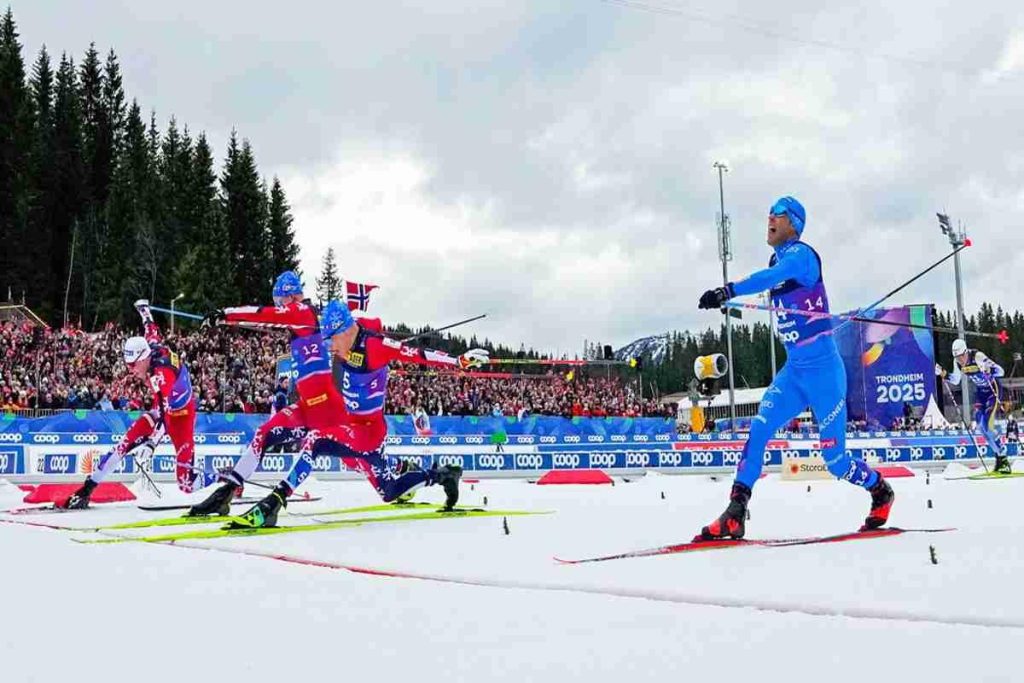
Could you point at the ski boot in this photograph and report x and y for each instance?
(448, 477)
(731, 523)
(79, 500)
(219, 502)
(264, 513)
(882, 498)
(1003, 465)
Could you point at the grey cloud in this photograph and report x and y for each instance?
(600, 122)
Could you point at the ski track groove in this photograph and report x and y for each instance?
(658, 596)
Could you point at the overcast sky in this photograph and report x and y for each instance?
(550, 163)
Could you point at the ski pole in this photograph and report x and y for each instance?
(967, 427)
(193, 468)
(183, 314)
(442, 329)
(903, 286)
(1003, 336)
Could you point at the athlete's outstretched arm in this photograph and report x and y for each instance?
(796, 263)
(394, 350)
(297, 316)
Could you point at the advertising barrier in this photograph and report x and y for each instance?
(70, 446)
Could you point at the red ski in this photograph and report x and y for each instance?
(696, 546)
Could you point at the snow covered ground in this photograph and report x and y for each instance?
(493, 606)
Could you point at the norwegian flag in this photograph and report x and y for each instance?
(358, 295)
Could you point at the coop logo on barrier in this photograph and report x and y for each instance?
(274, 463)
(474, 439)
(672, 459)
(527, 438)
(566, 460)
(662, 437)
(490, 462)
(640, 438)
(163, 464)
(892, 454)
(419, 440)
(547, 439)
(529, 461)
(6, 437)
(200, 438)
(571, 438)
(414, 459)
(701, 458)
(938, 453)
(45, 438)
(916, 453)
(9, 460)
(602, 460)
(456, 460)
(731, 457)
(618, 438)
(85, 438)
(595, 438)
(638, 459)
(447, 440)
(229, 438)
(220, 462)
(55, 464)
(323, 463)
(394, 440)
(703, 437)
(869, 455)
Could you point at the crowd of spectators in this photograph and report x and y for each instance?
(235, 371)
(551, 394)
(40, 368)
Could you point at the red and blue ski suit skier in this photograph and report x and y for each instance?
(173, 411)
(359, 440)
(319, 405)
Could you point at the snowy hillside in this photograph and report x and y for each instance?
(654, 348)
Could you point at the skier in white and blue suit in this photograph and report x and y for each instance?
(812, 376)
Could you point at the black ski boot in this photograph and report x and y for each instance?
(217, 503)
(882, 498)
(1003, 465)
(732, 522)
(448, 477)
(79, 500)
(264, 513)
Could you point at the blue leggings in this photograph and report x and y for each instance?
(822, 386)
(985, 415)
(388, 475)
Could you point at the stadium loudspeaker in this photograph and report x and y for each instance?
(608, 353)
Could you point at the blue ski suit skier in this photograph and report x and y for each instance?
(812, 376)
(984, 373)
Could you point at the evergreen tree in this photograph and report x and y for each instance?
(328, 285)
(37, 240)
(284, 252)
(245, 218)
(68, 165)
(128, 258)
(205, 272)
(15, 136)
(175, 181)
(97, 167)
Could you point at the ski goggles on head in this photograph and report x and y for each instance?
(779, 208)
